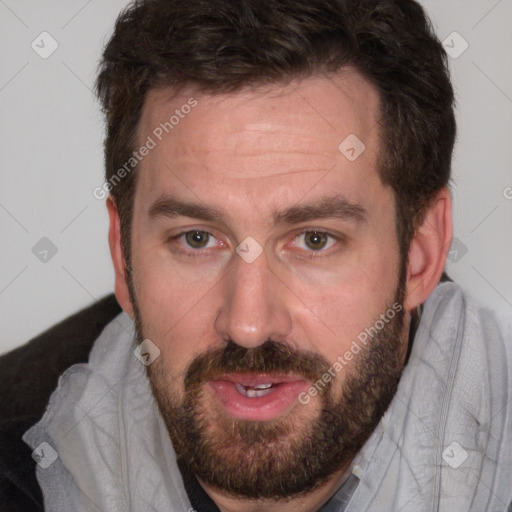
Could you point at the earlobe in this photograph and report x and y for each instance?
(116, 252)
(428, 251)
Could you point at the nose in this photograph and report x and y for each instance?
(254, 307)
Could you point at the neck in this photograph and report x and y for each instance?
(304, 503)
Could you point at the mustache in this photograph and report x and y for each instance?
(270, 357)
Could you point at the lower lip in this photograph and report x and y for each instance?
(267, 407)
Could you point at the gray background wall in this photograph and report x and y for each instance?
(55, 258)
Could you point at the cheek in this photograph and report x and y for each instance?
(175, 315)
(166, 291)
(332, 318)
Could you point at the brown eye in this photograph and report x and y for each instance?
(315, 240)
(197, 239)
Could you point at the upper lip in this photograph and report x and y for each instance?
(256, 379)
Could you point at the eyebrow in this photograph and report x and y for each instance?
(168, 206)
(337, 207)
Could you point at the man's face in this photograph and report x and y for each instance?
(260, 253)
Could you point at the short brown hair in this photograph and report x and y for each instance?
(225, 45)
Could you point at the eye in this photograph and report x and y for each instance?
(197, 239)
(318, 241)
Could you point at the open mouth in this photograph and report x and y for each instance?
(257, 397)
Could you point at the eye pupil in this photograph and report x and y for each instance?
(197, 239)
(315, 240)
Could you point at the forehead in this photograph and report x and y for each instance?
(257, 140)
(328, 106)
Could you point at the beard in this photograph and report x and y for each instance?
(288, 456)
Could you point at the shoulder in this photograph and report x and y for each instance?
(478, 338)
(450, 304)
(476, 342)
(30, 373)
(28, 376)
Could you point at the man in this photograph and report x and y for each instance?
(279, 225)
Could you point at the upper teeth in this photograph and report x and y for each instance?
(262, 386)
(254, 391)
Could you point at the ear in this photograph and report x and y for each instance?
(116, 252)
(429, 250)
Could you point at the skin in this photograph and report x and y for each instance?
(250, 154)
